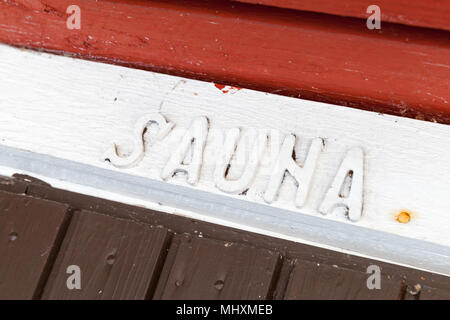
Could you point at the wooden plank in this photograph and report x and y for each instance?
(181, 225)
(312, 280)
(431, 14)
(211, 269)
(9, 184)
(396, 70)
(31, 231)
(118, 259)
(432, 285)
(430, 293)
(26, 126)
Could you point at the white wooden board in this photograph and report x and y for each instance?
(67, 113)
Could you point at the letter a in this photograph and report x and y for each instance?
(195, 139)
(353, 166)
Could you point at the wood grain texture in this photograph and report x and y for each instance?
(210, 269)
(182, 225)
(72, 89)
(30, 231)
(12, 185)
(399, 70)
(312, 280)
(118, 259)
(431, 14)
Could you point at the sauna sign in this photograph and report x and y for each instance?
(248, 150)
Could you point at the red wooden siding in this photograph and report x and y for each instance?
(430, 13)
(120, 259)
(398, 69)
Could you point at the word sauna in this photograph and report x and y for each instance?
(345, 190)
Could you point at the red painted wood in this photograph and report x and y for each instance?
(400, 70)
(430, 13)
(31, 231)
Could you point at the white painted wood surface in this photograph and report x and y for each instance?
(68, 113)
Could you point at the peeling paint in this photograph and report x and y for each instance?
(227, 89)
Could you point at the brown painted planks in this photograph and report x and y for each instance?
(400, 70)
(10, 184)
(311, 280)
(288, 249)
(434, 285)
(118, 259)
(210, 269)
(430, 13)
(30, 233)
